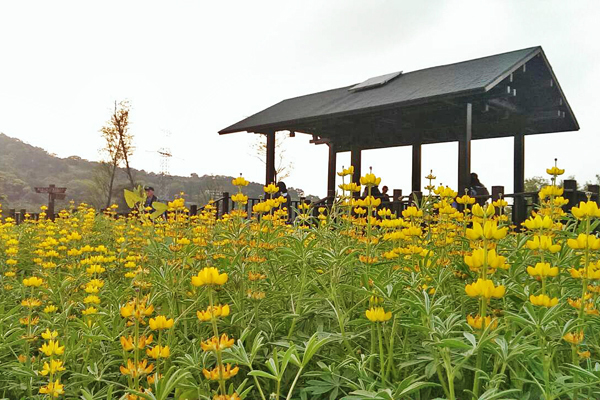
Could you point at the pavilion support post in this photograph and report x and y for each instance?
(331, 172)
(416, 167)
(464, 153)
(519, 207)
(270, 172)
(355, 159)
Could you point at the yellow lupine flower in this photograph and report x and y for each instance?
(485, 288)
(33, 281)
(412, 211)
(160, 322)
(574, 337)
(216, 311)
(489, 231)
(239, 198)
(555, 171)
(466, 199)
(209, 276)
(141, 369)
(378, 314)
(52, 347)
(593, 272)
(159, 352)
(478, 323)
(214, 343)
(542, 269)
(542, 242)
(538, 222)
(551, 190)
(226, 371)
(478, 211)
(49, 335)
(347, 171)
(584, 241)
(370, 180)
(543, 300)
(586, 209)
(52, 368)
(271, 188)
(239, 181)
(52, 389)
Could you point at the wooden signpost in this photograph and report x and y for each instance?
(54, 193)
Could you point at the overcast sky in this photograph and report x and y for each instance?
(194, 67)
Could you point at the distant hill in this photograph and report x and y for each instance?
(24, 167)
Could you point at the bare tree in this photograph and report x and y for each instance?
(283, 167)
(119, 143)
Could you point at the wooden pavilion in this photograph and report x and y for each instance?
(512, 94)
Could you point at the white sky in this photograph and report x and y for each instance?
(195, 67)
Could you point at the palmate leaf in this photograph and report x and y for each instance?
(132, 198)
(160, 209)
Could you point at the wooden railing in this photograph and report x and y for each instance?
(522, 203)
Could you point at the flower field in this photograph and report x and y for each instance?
(351, 302)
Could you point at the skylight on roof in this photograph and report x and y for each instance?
(375, 82)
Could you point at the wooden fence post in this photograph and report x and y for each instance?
(225, 205)
(595, 190)
(193, 210)
(497, 191)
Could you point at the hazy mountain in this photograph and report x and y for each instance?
(24, 167)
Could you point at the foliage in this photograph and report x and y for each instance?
(23, 167)
(351, 302)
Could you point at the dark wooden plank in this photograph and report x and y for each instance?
(270, 167)
(464, 152)
(416, 167)
(519, 207)
(331, 171)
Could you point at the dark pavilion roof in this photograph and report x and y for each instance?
(518, 87)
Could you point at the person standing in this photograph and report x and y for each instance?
(150, 198)
(478, 190)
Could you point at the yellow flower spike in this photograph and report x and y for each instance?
(584, 241)
(49, 335)
(543, 300)
(216, 311)
(142, 368)
(549, 191)
(160, 322)
(555, 171)
(127, 343)
(239, 181)
(542, 270)
(574, 337)
(271, 188)
(239, 198)
(478, 323)
(53, 367)
(475, 232)
(370, 180)
(51, 348)
(158, 352)
(214, 343)
(466, 199)
(500, 203)
(226, 371)
(485, 288)
(537, 222)
(586, 209)
(412, 211)
(478, 211)
(378, 314)
(542, 242)
(491, 231)
(53, 389)
(33, 282)
(347, 171)
(209, 276)
(584, 354)
(475, 260)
